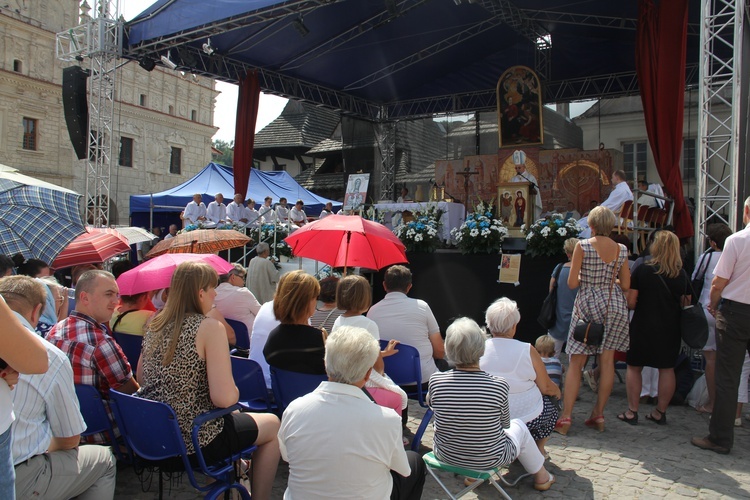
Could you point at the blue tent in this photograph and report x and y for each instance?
(215, 178)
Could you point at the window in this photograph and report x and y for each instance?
(635, 159)
(17, 66)
(29, 133)
(171, 110)
(175, 161)
(142, 100)
(689, 160)
(194, 115)
(126, 152)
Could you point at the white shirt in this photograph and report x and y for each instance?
(6, 408)
(619, 195)
(168, 236)
(193, 211)
(268, 214)
(510, 359)
(265, 321)
(282, 214)
(237, 303)
(216, 212)
(234, 211)
(297, 216)
(46, 406)
(527, 177)
(252, 216)
(324, 213)
(411, 322)
(339, 444)
(734, 265)
(360, 322)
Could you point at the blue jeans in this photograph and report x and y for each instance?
(7, 472)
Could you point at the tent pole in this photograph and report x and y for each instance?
(346, 255)
(151, 212)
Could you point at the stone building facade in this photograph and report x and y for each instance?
(158, 114)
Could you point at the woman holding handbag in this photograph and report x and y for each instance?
(656, 297)
(599, 324)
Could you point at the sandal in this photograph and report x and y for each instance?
(629, 420)
(562, 426)
(595, 423)
(662, 420)
(545, 486)
(703, 409)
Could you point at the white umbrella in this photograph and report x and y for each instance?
(134, 234)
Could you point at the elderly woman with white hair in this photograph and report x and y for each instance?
(522, 367)
(473, 426)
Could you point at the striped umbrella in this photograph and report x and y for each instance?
(200, 241)
(37, 219)
(92, 247)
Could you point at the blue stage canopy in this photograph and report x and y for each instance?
(215, 178)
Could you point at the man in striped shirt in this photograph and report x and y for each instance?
(48, 423)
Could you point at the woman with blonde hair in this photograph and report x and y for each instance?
(656, 292)
(185, 364)
(294, 345)
(597, 263)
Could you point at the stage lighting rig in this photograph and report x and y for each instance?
(299, 25)
(147, 63)
(168, 62)
(208, 49)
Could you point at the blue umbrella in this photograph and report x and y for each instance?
(37, 219)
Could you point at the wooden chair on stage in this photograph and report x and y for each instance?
(626, 217)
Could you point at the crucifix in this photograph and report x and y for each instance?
(466, 173)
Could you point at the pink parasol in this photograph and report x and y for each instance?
(348, 241)
(92, 247)
(156, 273)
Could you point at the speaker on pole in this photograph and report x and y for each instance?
(76, 108)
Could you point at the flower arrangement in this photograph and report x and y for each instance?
(188, 228)
(422, 233)
(480, 232)
(547, 236)
(280, 247)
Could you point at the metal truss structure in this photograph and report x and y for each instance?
(721, 149)
(98, 40)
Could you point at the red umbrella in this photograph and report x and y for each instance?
(92, 247)
(348, 241)
(157, 273)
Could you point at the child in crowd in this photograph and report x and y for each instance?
(545, 346)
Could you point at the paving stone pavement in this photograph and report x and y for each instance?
(645, 461)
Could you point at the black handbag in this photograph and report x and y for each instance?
(697, 282)
(590, 332)
(547, 317)
(693, 322)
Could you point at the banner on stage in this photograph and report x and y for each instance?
(510, 269)
(356, 191)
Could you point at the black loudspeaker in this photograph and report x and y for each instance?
(76, 107)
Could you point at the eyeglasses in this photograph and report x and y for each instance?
(240, 276)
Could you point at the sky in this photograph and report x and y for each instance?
(270, 105)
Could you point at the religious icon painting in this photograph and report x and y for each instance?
(519, 108)
(515, 207)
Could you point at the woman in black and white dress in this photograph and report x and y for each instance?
(473, 428)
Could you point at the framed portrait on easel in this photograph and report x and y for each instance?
(519, 108)
(514, 207)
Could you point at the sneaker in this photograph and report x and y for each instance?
(588, 376)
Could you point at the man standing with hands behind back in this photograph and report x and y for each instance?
(730, 304)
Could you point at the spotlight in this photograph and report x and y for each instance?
(168, 62)
(147, 63)
(299, 25)
(207, 48)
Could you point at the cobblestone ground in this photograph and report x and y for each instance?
(643, 461)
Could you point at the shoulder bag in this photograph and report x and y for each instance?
(547, 316)
(700, 276)
(589, 332)
(693, 323)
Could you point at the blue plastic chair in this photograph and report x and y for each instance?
(288, 386)
(249, 379)
(405, 370)
(151, 430)
(95, 415)
(131, 347)
(241, 334)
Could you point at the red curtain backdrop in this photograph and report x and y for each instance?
(660, 63)
(244, 134)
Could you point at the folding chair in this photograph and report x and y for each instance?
(248, 377)
(131, 347)
(288, 386)
(95, 415)
(151, 430)
(405, 370)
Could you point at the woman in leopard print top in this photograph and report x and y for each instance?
(185, 363)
